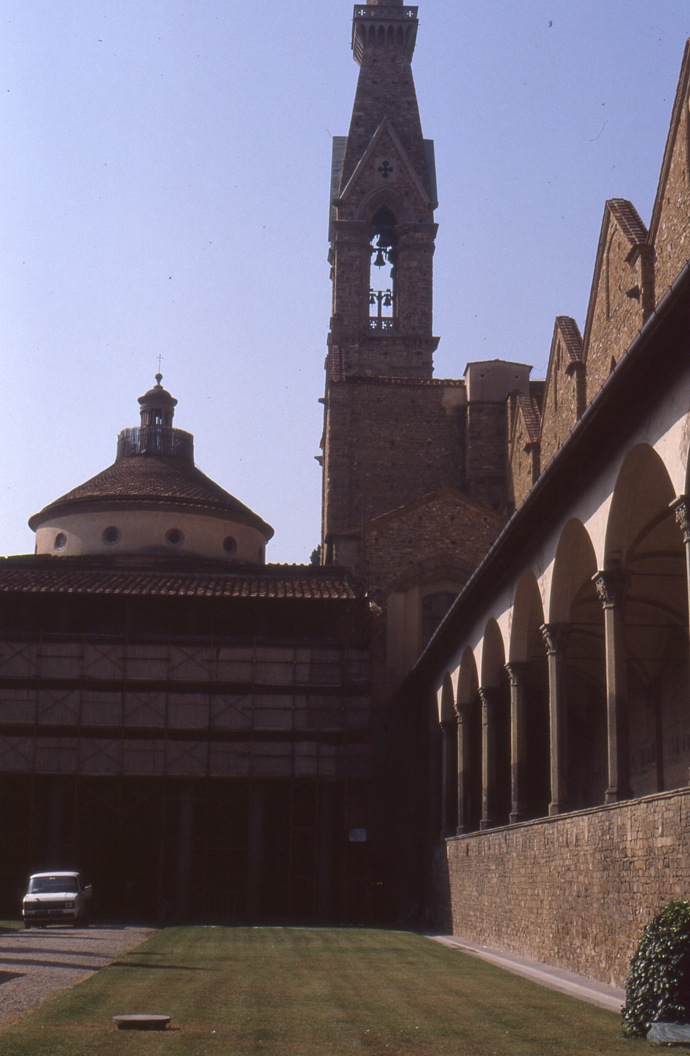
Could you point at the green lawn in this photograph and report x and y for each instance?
(313, 992)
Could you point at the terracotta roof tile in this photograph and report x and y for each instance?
(529, 408)
(571, 337)
(152, 479)
(29, 575)
(628, 220)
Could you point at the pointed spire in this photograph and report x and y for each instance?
(383, 42)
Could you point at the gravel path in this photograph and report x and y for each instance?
(35, 964)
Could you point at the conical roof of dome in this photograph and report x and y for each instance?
(146, 480)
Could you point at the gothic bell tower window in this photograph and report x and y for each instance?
(382, 307)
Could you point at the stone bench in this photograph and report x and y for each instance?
(141, 1022)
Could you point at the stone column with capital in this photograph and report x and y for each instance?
(517, 675)
(462, 712)
(612, 589)
(555, 637)
(449, 776)
(488, 696)
(681, 509)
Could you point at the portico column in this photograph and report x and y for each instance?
(487, 695)
(517, 674)
(555, 637)
(681, 508)
(612, 588)
(463, 762)
(449, 774)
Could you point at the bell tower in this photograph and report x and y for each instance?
(382, 232)
(383, 196)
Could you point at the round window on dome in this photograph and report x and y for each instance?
(60, 541)
(174, 536)
(230, 544)
(111, 535)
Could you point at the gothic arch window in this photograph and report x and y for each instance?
(434, 608)
(382, 306)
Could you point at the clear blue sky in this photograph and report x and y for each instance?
(164, 191)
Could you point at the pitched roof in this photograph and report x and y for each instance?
(87, 576)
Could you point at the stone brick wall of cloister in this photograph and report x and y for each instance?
(573, 891)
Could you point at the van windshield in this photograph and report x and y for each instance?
(44, 884)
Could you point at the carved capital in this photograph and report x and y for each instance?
(555, 637)
(681, 510)
(487, 695)
(462, 711)
(517, 672)
(612, 587)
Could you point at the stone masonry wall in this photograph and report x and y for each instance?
(486, 457)
(617, 314)
(572, 891)
(671, 226)
(389, 443)
(521, 467)
(445, 529)
(561, 407)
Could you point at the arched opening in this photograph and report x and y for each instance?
(495, 683)
(382, 273)
(574, 603)
(449, 760)
(645, 546)
(527, 661)
(470, 764)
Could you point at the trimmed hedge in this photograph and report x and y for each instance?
(658, 986)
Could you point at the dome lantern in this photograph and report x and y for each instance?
(157, 406)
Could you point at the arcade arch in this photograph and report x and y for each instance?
(646, 556)
(469, 712)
